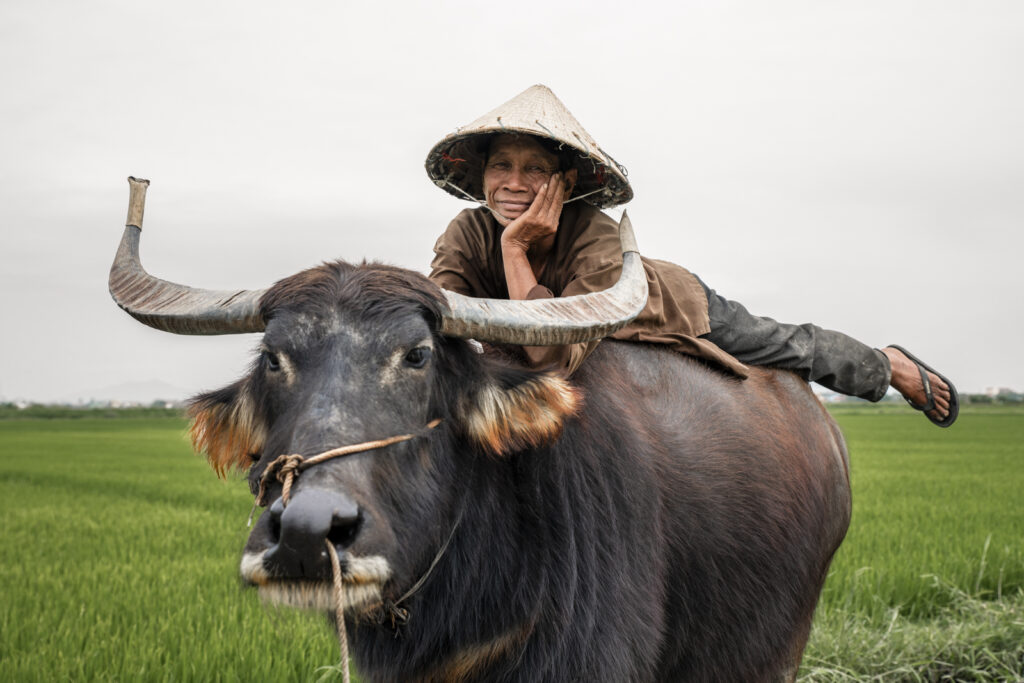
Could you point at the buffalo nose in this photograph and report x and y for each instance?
(298, 531)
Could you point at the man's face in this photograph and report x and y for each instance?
(516, 168)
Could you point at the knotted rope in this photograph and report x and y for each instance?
(392, 608)
(286, 468)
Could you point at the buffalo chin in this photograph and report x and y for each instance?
(318, 596)
(362, 581)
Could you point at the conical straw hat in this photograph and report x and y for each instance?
(456, 163)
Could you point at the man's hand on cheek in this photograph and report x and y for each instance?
(540, 220)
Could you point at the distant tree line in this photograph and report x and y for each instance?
(40, 411)
(1008, 397)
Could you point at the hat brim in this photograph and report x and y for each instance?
(456, 163)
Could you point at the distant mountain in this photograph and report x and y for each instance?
(145, 392)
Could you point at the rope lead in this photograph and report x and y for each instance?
(339, 609)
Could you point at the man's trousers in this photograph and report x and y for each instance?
(830, 358)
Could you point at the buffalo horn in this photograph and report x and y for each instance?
(562, 320)
(541, 322)
(168, 306)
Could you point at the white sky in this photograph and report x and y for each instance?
(858, 165)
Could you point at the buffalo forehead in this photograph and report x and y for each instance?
(302, 330)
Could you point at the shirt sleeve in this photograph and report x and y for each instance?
(453, 265)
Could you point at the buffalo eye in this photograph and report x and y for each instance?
(272, 361)
(418, 357)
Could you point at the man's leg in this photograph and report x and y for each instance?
(830, 358)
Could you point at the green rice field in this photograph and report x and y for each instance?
(119, 552)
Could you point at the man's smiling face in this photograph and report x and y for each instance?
(516, 168)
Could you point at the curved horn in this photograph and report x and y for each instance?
(551, 322)
(168, 306)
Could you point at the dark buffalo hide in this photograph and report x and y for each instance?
(650, 519)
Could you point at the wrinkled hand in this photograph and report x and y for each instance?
(540, 220)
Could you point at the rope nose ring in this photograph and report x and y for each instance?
(287, 468)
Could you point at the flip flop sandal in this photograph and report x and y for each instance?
(929, 404)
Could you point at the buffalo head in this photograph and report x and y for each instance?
(353, 354)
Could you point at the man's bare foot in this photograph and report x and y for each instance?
(906, 379)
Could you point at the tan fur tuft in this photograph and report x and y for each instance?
(227, 433)
(473, 662)
(529, 415)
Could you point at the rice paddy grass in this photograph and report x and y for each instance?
(929, 583)
(119, 552)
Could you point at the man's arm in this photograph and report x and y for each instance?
(534, 233)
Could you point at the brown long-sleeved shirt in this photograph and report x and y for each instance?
(586, 257)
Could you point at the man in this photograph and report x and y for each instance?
(541, 180)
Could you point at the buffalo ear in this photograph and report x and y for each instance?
(226, 428)
(517, 409)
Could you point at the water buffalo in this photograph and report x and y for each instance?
(651, 519)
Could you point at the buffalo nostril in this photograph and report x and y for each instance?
(276, 510)
(298, 531)
(345, 525)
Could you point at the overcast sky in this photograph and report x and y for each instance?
(858, 165)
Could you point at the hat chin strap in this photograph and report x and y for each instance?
(570, 201)
(495, 213)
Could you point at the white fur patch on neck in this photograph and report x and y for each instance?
(362, 579)
(318, 595)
